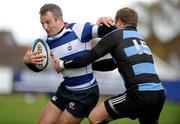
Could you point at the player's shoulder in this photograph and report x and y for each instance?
(114, 33)
(79, 25)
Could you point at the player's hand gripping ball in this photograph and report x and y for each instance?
(41, 47)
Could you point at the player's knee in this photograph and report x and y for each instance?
(99, 122)
(94, 120)
(41, 121)
(102, 122)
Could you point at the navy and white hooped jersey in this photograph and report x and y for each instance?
(73, 41)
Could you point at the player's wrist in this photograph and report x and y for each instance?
(61, 65)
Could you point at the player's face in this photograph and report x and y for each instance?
(50, 25)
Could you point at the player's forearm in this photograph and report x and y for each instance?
(101, 49)
(79, 62)
(104, 65)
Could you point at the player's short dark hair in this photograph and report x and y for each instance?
(55, 9)
(127, 16)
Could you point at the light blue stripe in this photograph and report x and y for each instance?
(129, 34)
(144, 68)
(130, 51)
(145, 49)
(150, 86)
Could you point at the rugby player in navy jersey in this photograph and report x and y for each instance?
(78, 94)
(144, 97)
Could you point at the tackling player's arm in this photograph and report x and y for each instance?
(106, 25)
(102, 48)
(104, 29)
(104, 65)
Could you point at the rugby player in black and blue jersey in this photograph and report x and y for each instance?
(78, 94)
(144, 97)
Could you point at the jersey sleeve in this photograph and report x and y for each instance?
(103, 30)
(88, 31)
(104, 65)
(103, 47)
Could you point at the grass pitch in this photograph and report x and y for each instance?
(15, 109)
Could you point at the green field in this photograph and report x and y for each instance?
(14, 109)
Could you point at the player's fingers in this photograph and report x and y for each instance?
(108, 21)
(29, 49)
(37, 63)
(37, 52)
(56, 64)
(37, 57)
(37, 60)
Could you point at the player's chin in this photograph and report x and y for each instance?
(51, 33)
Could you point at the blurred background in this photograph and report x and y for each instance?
(24, 94)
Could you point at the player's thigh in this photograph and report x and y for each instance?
(148, 118)
(68, 118)
(50, 114)
(98, 114)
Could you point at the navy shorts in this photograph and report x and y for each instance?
(78, 103)
(144, 105)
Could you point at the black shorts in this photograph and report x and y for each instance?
(78, 103)
(144, 105)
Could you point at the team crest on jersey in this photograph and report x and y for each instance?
(69, 47)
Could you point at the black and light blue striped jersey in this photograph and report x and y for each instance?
(71, 42)
(132, 57)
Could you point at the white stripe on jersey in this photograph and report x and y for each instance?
(94, 31)
(77, 46)
(60, 34)
(77, 72)
(78, 29)
(83, 86)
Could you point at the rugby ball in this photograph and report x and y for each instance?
(42, 47)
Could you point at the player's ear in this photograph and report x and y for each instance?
(60, 19)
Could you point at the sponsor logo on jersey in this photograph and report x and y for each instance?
(72, 105)
(69, 47)
(54, 98)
